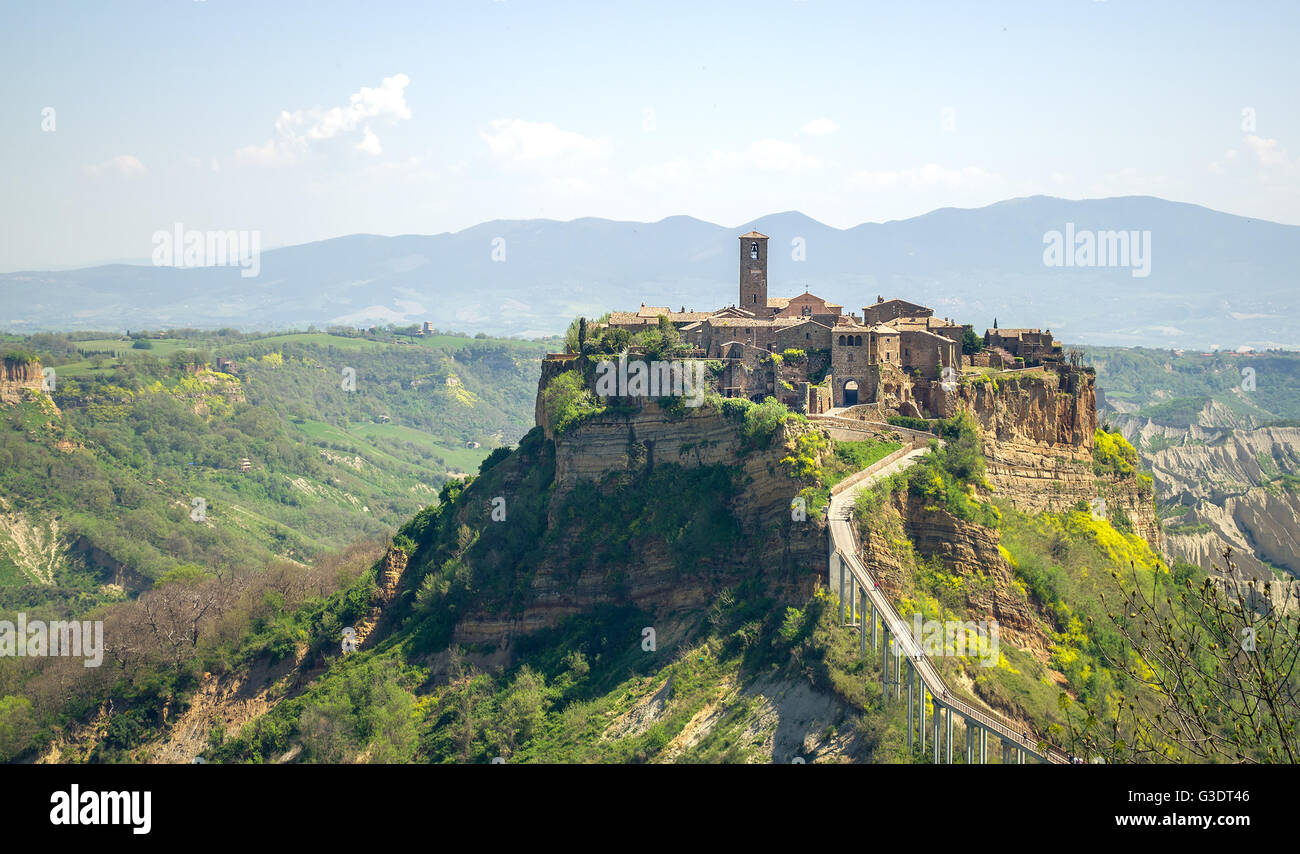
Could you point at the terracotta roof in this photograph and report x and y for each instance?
(738, 321)
(753, 234)
(896, 299)
(796, 321)
(654, 310)
(778, 302)
(928, 334)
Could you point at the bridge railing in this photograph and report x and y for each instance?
(902, 632)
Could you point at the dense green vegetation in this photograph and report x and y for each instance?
(346, 436)
(1172, 387)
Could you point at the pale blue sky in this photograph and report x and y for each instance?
(167, 111)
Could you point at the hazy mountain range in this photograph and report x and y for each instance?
(1213, 279)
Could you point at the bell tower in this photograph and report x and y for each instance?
(753, 273)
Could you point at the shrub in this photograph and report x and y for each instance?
(1112, 454)
(762, 421)
(567, 401)
(910, 423)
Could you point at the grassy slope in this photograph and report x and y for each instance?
(140, 466)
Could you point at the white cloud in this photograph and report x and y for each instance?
(370, 143)
(924, 177)
(820, 127)
(520, 142)
(295, 131)
(1270, 155)
(772, 154)
(388, 100)
(124, 164)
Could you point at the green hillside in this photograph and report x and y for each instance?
(133, 465)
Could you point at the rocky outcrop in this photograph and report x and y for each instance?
(1037, 407)
(1234, 482)
(17, 377)
(388, 579)
(971, 552)
(641, 439)
(1038, 428)
(789, 555)
(966, 550)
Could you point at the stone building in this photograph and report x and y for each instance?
(885, 310)
(877, 358)
(1033, 345)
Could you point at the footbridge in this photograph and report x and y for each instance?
(863, 605)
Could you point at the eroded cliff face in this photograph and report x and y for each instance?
(1038, 430)
(15, 377)
(789, 556)
(966, 550)
(1235, 483)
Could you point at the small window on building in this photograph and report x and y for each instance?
(807, 336)
(753, 250)
(850, 357)
(857, 342)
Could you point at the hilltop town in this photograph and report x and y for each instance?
(896, 357)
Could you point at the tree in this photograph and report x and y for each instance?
(970, 342)
(1220, 660)
(17, 726)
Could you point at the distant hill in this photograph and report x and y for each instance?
(1215, 279)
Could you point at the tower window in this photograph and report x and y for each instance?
(753, 250)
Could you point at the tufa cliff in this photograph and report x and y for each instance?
(1038, 430)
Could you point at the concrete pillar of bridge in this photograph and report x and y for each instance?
(898, 656)
(984, 746)
(842, 573)
(884, 662)
(910, 675)
(853, 599)
(947, 713)
(921, 728)
(862, 637)
(875, 627)
(934, 724)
